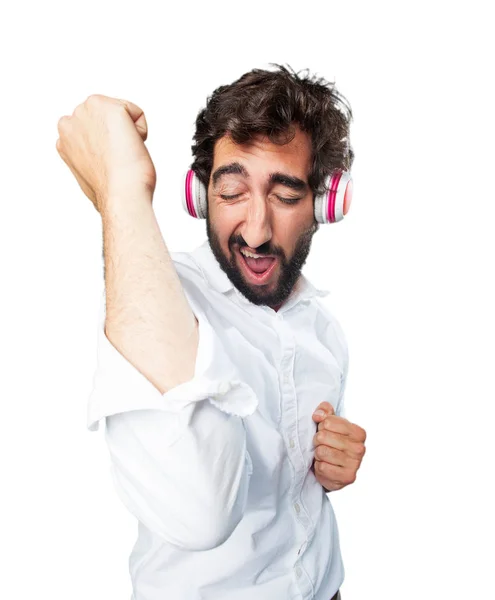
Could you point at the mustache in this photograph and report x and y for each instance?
(264, 249)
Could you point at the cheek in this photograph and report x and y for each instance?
(288, 228)
(225, 230)
(301, 218)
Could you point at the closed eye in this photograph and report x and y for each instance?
(284, 200)
(288, 200)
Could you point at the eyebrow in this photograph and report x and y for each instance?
(235, 168)
(289, 181)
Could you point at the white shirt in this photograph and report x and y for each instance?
(218, 469)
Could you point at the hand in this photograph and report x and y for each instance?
(339, 449)
(102, 143)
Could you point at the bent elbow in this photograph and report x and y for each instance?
(188, 485)
(212, 523)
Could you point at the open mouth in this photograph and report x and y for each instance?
(258, 270)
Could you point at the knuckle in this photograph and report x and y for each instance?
(321, 452)
(351, 478)
(360, 433)
(326, 423)
(62, 122)
(79, 108)
(93, 100)
(360, 450)
(320, 467)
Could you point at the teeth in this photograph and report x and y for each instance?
(251, 255)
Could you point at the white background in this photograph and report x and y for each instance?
(410, 271)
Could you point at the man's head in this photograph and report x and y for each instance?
(264, 146)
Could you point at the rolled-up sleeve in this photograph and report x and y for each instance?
(179, 460)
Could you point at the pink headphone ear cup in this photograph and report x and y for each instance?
(194, 199)
(329, 207)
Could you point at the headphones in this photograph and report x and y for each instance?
(330, 207)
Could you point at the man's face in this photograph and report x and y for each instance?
(259, 201)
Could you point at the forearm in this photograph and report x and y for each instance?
(148, 318)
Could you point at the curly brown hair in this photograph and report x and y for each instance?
(270, 103)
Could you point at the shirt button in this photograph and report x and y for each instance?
(297, 507)
(298, 572)
(291, 443)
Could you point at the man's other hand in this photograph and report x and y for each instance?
(339, 449)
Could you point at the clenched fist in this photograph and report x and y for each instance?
(102, 143)
(339, 449)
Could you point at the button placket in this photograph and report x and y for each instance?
(289, 421)
(303, 582)
(286, 367)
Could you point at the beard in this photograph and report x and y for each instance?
(290, 270)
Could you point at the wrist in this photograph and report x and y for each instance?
(124, 199)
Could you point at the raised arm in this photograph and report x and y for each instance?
(148, 317)
(174, 431)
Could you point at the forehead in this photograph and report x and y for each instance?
(261, 151)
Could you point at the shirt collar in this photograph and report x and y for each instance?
(217, 278)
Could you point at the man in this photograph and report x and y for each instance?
(213, 363)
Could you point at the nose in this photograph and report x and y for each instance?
(257, 227)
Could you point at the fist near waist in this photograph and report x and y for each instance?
(339, 448)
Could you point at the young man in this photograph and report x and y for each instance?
(212, 363)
